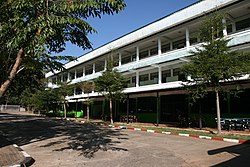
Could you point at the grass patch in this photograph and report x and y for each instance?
(184, 131)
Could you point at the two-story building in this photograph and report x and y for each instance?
(150, 58)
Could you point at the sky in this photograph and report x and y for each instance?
(136, 14)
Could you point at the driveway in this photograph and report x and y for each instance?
(59, 143)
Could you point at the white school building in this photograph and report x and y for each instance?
(150, 58)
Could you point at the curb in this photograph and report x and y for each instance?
(28, 161)
(236, 141)
(178, 134)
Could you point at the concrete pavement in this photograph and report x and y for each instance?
(61, 143)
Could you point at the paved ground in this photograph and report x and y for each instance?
(54, 143)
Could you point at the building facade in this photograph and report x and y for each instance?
(150, 58)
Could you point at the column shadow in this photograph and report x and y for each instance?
(241, 153)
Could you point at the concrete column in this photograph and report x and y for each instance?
(68, 79)
(224, 27)
(187, 39)
(137, 53)
(234, 27)
(120, 58)
(137, 79)
(75, 73)
(74, 91)
(159, 46)
(83, 71)
(49, 83)
(105, 64)
(171, 45)
(62, 78)
(159, 75)
(93, 68)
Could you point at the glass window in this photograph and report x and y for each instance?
(133, 79)
(99, 66)
(243, 24)
(165, 48)
(65, 77)
(153, 51)
(78, 91)
(133, 57)
(59, 78)
(143, 77)
(176, 71)
(88, 69)
(126, 59)
(154, 76)
(193, 40)
(131, 82)
(229, 28)
(79, 73)
(143, 54)
(165, 74)
(72, 75)
(179, 44)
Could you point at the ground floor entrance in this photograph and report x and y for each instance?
(169, 106)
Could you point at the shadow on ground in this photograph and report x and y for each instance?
(241, 153)
(85, 138)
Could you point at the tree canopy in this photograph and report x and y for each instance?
(30, 31)
(214, 64)
(111, 85)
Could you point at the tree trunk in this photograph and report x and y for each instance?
(13, 72)
(87, 112)
(65, 110)
(111, 111)
(218, 112)
(200, 117)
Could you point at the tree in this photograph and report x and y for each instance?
(87, 87)
(213, 64)
(40, 100)
(30, 31)
(64, 90)
(111, 85)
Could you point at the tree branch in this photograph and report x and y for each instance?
(13, 72)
